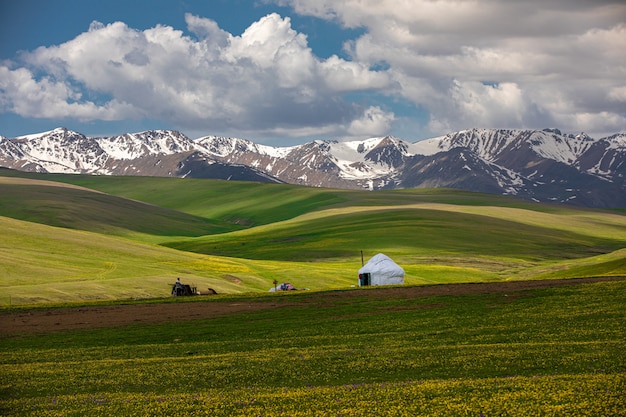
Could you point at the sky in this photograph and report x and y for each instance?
(283, 72)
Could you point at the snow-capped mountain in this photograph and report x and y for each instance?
(543, 165)
(150, 153)
(319, 163)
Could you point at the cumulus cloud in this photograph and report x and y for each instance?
(466, 63)
(493, 105)
(618, 94)
(494, 63)
(266, 80)
(374, 122)
(48, 98)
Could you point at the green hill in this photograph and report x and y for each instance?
(63, 205)
(69, 237)
(238, 204)
(416, 231)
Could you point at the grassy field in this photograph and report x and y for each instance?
(544, 352)
(72, 237)
(72, 242)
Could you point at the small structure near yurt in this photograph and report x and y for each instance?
(381, 270)
(285, 286)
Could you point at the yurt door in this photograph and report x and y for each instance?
(365, 279)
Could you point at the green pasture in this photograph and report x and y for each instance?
(75, 237)
(56, 204)
(408, 231)
(545, 352)
(236, 203)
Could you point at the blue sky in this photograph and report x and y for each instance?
(286, 71)
(28, 24)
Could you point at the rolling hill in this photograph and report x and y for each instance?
(73, 237)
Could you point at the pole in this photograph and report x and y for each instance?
(362, 263)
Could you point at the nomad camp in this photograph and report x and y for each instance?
(381, 270)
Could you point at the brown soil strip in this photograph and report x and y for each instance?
(41, 321)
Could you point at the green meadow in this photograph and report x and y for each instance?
(544, 352)
(70, 241)
(75, 238)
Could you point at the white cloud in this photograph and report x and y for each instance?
(266, 80)
(374, 122)
(488, 63)
(618, 94)
(340, 75)
(494, 62)
(48, 98)
(207, 30)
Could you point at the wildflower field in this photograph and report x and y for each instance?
(555, 351)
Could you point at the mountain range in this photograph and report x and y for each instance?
(541, 165)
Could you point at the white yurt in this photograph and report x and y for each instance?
(381, 270)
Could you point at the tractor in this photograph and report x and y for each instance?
(182, 290)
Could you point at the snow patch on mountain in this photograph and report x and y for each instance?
(427, 147)
(58, 130)
(136, 145)
(223, 147)
(617, 141)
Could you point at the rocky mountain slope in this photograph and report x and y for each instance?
(542, 165)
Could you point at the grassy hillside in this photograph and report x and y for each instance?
(416, 231)
(86, 237)
(239, 204)
(41, 263)
(59, 204)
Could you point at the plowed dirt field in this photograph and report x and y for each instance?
(49, 320)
